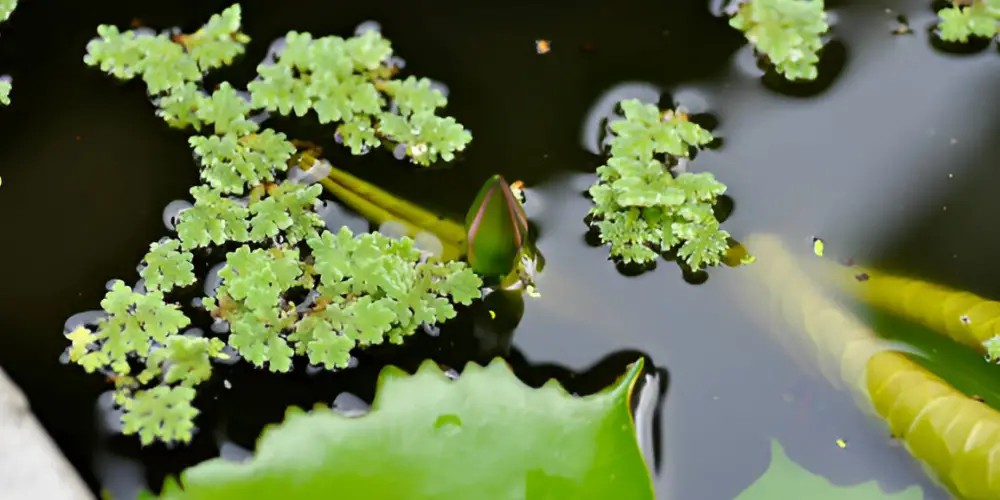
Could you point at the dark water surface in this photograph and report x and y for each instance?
(869, 164)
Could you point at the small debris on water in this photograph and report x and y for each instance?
(227, 384)
(543, 46)
(517, 189)
(841, 443)
(903, 28)
(818, 247)
(953, 141)
(493, 314)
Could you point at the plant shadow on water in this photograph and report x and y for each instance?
(878, 138)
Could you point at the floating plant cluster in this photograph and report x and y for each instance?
(788, 33)
(289, 287)
(6, 9)
(969, 19)
(640, 207)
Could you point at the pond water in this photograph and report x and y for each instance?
(890, 163)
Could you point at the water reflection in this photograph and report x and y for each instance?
(604, 108)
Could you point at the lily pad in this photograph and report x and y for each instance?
(485, 435)
(784, 479)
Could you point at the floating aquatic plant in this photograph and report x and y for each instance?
(640, 207)
(349, 81)
(966, 19)
(289, 287)
(6, 9)
(787, 32)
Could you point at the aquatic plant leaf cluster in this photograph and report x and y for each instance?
(787, 32)
(436, 450)
(970, 19)
(6, 9)
(288, 286)
(348, 81)
(640, 207)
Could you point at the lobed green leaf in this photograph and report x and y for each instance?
(788, 32)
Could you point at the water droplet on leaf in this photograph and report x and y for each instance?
(448, 424)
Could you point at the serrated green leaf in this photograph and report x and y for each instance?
(166, 266)
(165, 65)
(788, 32)
(212, 219)
(183, 360)
(219, 41)
(179, 108)
(368, 50)
(329, 54)
(259, 277)
(700, 187)
(377, 289)
(230, 163)
(288, 210)
(318, 336)
(161, 413)
(704, 243)
(958, 23)
(543, 443)
(340, 98)
(358, 134)
(415, 95)
(227, 111)
(279, 90)
(134, 322)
